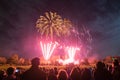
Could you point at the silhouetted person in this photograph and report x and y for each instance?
(34, 73)
(86, 74)
(101, 73)
(51, 75)
(116, 70)
(18, 73)
(75, 74)
(110, 68)
(10, 74)
(2, 74)
(62, 75)
(56, 71)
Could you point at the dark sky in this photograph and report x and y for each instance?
(18, 17)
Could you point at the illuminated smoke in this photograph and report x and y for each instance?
(47, 49)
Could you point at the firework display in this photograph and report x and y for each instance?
(52, 25)
(55, 30)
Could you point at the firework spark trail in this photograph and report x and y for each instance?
(85, 39)
(47, 49)
(71, 52)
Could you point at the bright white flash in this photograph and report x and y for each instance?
(47, 49)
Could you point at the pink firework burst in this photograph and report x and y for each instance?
(47, 49)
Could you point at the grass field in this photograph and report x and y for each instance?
(4, 67)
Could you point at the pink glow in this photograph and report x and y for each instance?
(71, 51)
(47, 49)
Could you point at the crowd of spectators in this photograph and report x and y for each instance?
(100, 72)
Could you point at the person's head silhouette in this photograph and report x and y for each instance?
(10, 71)
(35, 62)
(116, 62)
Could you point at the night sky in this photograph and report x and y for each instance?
(18, 17)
